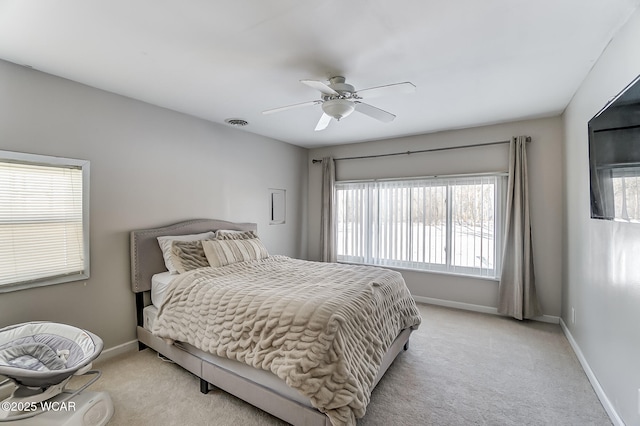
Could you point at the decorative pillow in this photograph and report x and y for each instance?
(220, 233)
(228, 251)
(235, 235)
(165, 245)
(188, 255)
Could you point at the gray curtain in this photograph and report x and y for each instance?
(517, 293)
(328, 227)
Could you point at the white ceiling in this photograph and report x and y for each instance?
(473, 62)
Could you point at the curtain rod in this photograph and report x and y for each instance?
(314, 161)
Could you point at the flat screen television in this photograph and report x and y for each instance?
(614, 157)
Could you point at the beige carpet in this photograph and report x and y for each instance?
(463, 368)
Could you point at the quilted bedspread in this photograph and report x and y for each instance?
(321, 327)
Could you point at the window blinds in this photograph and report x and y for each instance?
(446, 224)
(41, 223)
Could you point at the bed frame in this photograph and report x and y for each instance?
(147, 260)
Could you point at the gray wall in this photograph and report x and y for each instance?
(545, 174)
(149, 167)
(602, 258)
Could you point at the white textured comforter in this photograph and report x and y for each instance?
(321, 327)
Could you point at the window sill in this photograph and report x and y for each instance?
(426, 271)
(7, 288)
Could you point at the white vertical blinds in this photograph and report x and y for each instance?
(443, 224)
(353, 208)
(430, 218)
(42, 225)
(474, 225)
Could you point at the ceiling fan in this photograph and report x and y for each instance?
(340, 99)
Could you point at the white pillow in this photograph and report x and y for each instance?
(165, 246)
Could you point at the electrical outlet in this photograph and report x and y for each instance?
(573, 316)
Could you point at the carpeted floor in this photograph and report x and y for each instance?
(462, 368)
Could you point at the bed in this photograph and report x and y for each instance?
(290, 385)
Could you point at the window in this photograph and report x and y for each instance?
(626, 193)
(448, 224)
(44, 220)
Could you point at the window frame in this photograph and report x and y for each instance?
(499, 206)
(53, 161)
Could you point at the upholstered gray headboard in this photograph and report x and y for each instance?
(146, 256)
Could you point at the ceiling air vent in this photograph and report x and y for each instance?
(237, 122)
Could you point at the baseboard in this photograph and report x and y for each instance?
(602, 396)
(107, 354)
(477, 308)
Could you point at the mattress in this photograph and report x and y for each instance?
(262, 377)
(159, 285)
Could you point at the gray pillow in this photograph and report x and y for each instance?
(188, 255)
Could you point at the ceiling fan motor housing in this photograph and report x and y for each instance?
(345, 90)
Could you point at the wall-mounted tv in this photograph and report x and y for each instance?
(614, 157)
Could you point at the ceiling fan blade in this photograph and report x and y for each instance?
(318, 85)
(389, 89)
(323, 123)
(284, 108)
(374, 112)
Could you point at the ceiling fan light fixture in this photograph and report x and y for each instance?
(338, 108)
